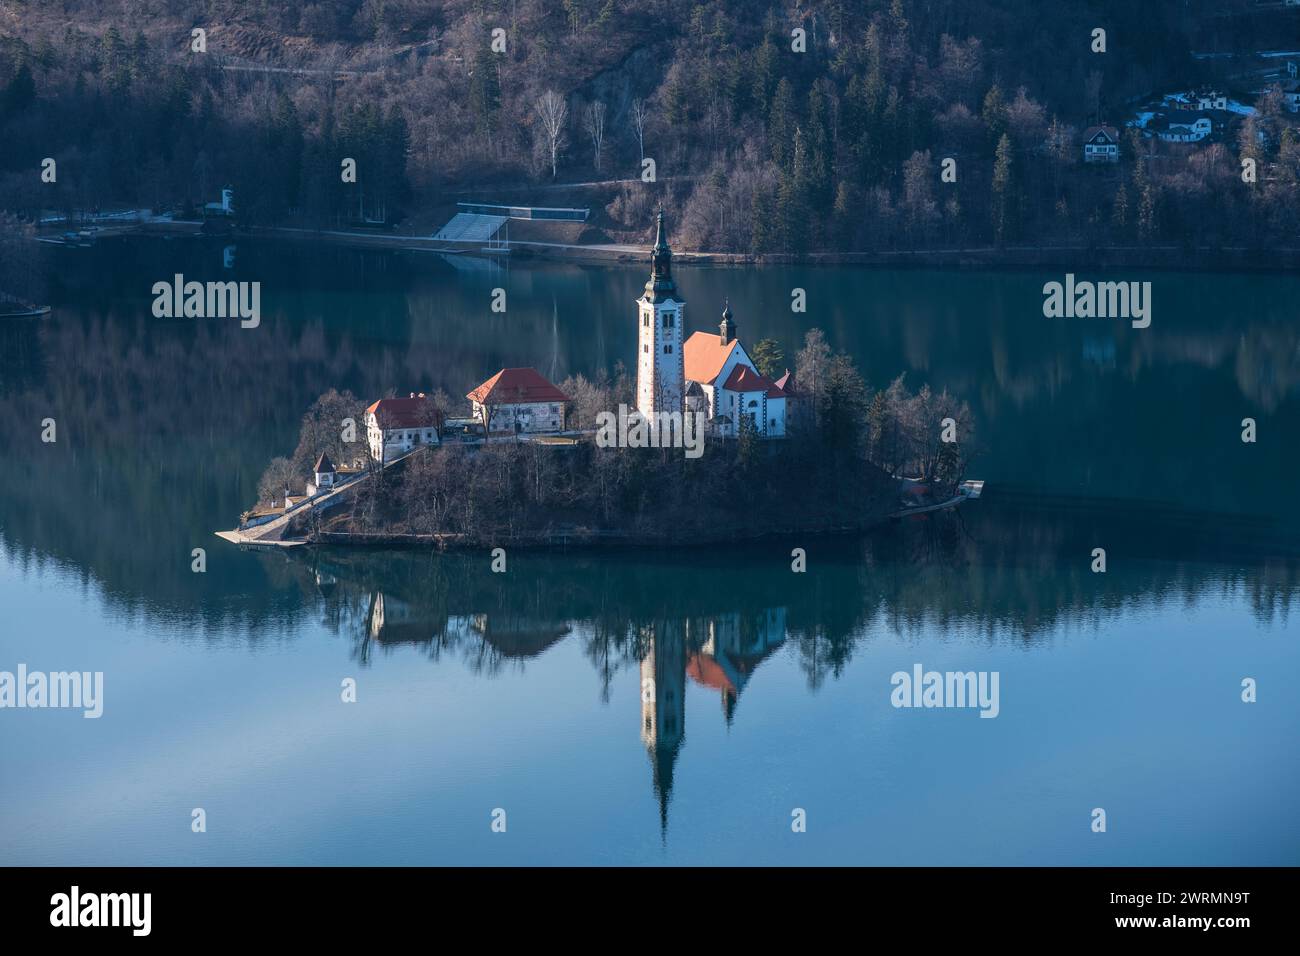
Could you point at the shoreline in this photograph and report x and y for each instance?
(1232, 260)
(558, 541)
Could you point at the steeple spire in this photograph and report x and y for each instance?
(661, 285)
(727, 330)
(661, 255)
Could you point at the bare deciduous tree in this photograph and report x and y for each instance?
(595, 119)
(552, 110)
(639, 113)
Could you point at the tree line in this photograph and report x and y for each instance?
(773, 127)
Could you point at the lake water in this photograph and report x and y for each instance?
(769, 691)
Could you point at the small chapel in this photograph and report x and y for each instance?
(706, 374)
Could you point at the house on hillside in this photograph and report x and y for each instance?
(1211, 100)
(323, 476)
(395, 426)
(521, 401)
(1101, 144)
(1184, 131)
(1198, 100)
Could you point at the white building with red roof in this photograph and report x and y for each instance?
(395, 426)
(519, 400)
(723, 384)
(707, 374)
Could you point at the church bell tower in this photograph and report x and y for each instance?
(660, 377)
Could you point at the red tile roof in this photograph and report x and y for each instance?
(516, 386)
(745, 379)
(417, 411)
(703, 356)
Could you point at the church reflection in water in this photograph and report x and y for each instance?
(653, 625)
(719, 652)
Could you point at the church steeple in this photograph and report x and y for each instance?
(662, 254)
(727, 330)
(660, 373)
(660, 285)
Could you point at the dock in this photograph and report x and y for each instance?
(270, 533)
(966, 491)
(245, 540)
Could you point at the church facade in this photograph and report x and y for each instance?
(706, 374)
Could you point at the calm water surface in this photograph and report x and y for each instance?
(525, 691)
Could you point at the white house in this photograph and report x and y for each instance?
(1101, 144)
(1186, 132)
(324, 476)
(519, 400)
(395, 426)
(1211, 100)
(1198, 100)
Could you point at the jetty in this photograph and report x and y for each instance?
(966, 491)
(270, 529)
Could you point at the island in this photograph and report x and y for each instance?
(708, 443)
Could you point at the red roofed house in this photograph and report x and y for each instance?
(723, 384)
(395, 426)
(519, 400)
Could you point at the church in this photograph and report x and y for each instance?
(705, 374)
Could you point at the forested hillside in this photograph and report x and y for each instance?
(763, 139)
